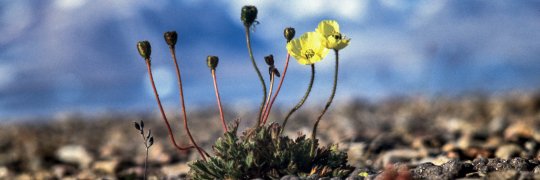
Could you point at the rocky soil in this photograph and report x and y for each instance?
(468, 137)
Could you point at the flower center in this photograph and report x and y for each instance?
(309, 53)
(337, 36)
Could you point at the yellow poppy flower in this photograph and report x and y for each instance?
(308, 49)
(333, 39)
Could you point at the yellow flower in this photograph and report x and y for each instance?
(308, 49)
(332, 37)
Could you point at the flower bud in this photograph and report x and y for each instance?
(269, 60)
(248, 15)
(212, 62)
(144, 49)
(289, 33)
(170, 38)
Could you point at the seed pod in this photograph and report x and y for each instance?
(276, 72)
(145, 50)
(149, 134)
(289, 33)
(212, 62)
(248, 15)
(171, 37)
(269, 60)
(142, 125)
(150, 141)
(137, 126)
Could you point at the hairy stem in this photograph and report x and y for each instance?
(248, 41)
(162, 111)
(186, 126)
(272, 77)
(278, 88)
(219, 101)
(301, 102)
(328, 103)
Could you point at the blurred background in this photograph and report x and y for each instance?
(459, 74)
(60, 56)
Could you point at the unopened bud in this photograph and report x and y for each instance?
(248, 15)
(289, 33)
(269, 60)
(170, 38)
(144, 49)
(212, 62)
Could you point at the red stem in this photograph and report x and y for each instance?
(279, 87)
(161, 110)
(183, 105)
(219, 101)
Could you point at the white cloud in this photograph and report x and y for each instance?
(293, 12)
(15, 18)
(303, 15)
(69, 4)
(394, 4)
(425, 11)
(164, 79)
(398, 52)
(7, 75)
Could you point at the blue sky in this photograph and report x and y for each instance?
(79, 55)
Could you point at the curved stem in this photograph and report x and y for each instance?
(248, 41)
(272, 77)
(330, 99)
(301, 102)
(186, 126)
(161, 109)
(278, 88)
(219, 101)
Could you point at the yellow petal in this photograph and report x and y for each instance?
(316, 58)
(328, 27)
(309, 42)
(294, 47)
(302, 61)
(343, 43)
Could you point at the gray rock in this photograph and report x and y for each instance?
(536, 170)
(290, 177)
(507, 174)
(4, 172)
(508, 151)
(107, 166)
(399, 155)
(521, 164)
(75, 154)
(175, 169)
(355, 152)
(456, 169)
(427, 171)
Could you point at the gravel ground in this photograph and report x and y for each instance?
(466, 137)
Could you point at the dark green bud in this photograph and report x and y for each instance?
(289, 33)
(144, 49)
(171, 37)
(212, 62)
(269, 60)
(248, 15)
